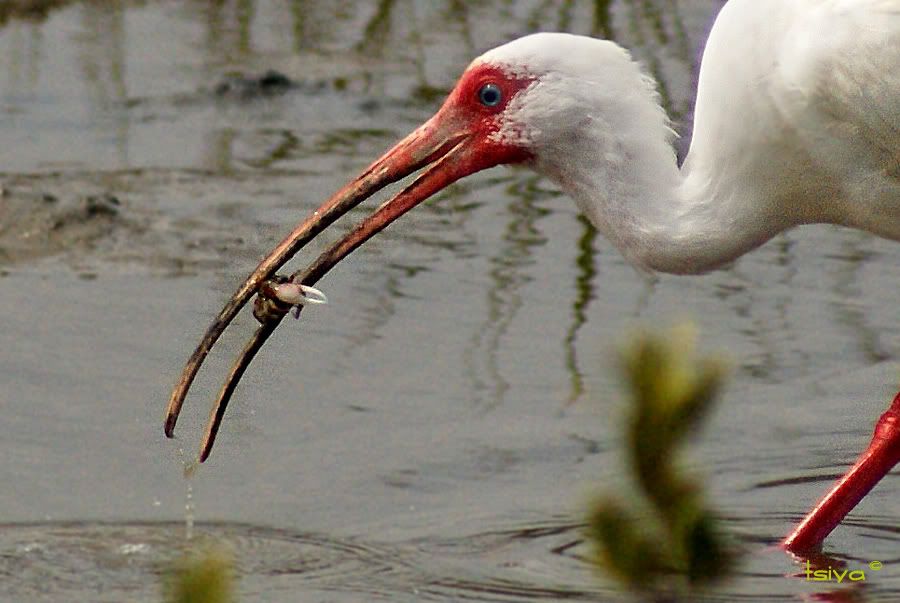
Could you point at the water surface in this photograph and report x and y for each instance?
(436, 431)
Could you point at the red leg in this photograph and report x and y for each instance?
(873, 464)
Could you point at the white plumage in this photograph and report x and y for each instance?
(797, 121)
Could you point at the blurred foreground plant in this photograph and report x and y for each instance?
(203, 576)
(663, 542)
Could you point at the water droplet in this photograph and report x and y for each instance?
(189, 469)
(189, 510)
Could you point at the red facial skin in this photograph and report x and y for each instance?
(465, 108)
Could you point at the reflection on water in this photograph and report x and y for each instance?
(584, 285)
(397, 431)
(509, 271)
(388, 50)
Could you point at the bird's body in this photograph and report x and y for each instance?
(804, 97)
(797, 121)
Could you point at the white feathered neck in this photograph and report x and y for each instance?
(593, 122)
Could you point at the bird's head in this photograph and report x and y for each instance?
(576, 109)
(563, 104)
(534, 100)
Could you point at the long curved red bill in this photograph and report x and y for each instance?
(443, 142)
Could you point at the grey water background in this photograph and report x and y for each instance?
(436, 432)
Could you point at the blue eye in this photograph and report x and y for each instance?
(490, 95)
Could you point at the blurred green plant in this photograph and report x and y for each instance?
(204, 575)
(663, 541)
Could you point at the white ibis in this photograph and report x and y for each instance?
(797, 121)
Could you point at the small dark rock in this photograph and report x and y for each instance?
(100, 205)
(244, 87)
(370, 105)
(272, 81)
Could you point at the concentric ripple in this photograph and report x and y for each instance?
(126, 562)
(530, 561)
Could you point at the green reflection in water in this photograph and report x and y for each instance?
(511, 269)
(602, 22)
(584, 293)
(377, 32)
